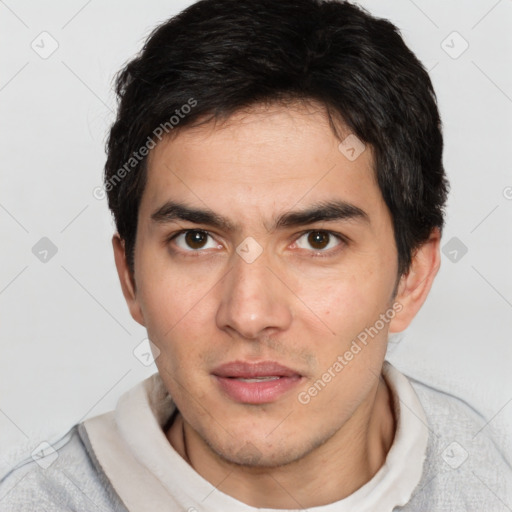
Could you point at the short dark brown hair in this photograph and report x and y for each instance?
(219, 56)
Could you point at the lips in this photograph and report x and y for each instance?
(241, 369)
(255, 383)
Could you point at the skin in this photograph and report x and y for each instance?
(300, 303)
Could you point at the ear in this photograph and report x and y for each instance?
(415, 286)
(127, 279)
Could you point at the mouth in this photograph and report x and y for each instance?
(255, 383)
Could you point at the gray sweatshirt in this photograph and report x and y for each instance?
(451, 462)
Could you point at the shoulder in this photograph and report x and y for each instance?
(465, 467)
(58, 477)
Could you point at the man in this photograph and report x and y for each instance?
(275, 174)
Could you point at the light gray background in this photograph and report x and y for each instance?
(67, 339)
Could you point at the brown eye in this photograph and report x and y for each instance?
(318, 239)
(196, 239)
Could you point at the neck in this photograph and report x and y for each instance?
(348, 460)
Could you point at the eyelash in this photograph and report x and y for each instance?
(315, 254)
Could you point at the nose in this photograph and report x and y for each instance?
(254, 301)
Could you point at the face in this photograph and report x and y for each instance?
(262, 253)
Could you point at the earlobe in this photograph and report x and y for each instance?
(415, 286)
(126, 279)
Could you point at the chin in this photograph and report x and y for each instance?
(253, 453)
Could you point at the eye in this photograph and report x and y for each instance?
(321, 241)
(194, 240)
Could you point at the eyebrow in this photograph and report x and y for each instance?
(335, 210)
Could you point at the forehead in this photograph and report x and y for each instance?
(259, 160)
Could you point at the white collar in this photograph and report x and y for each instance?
(148, 473)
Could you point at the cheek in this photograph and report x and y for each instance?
(176, 310)
(345, 307)
(341, 302)
(168, 295)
